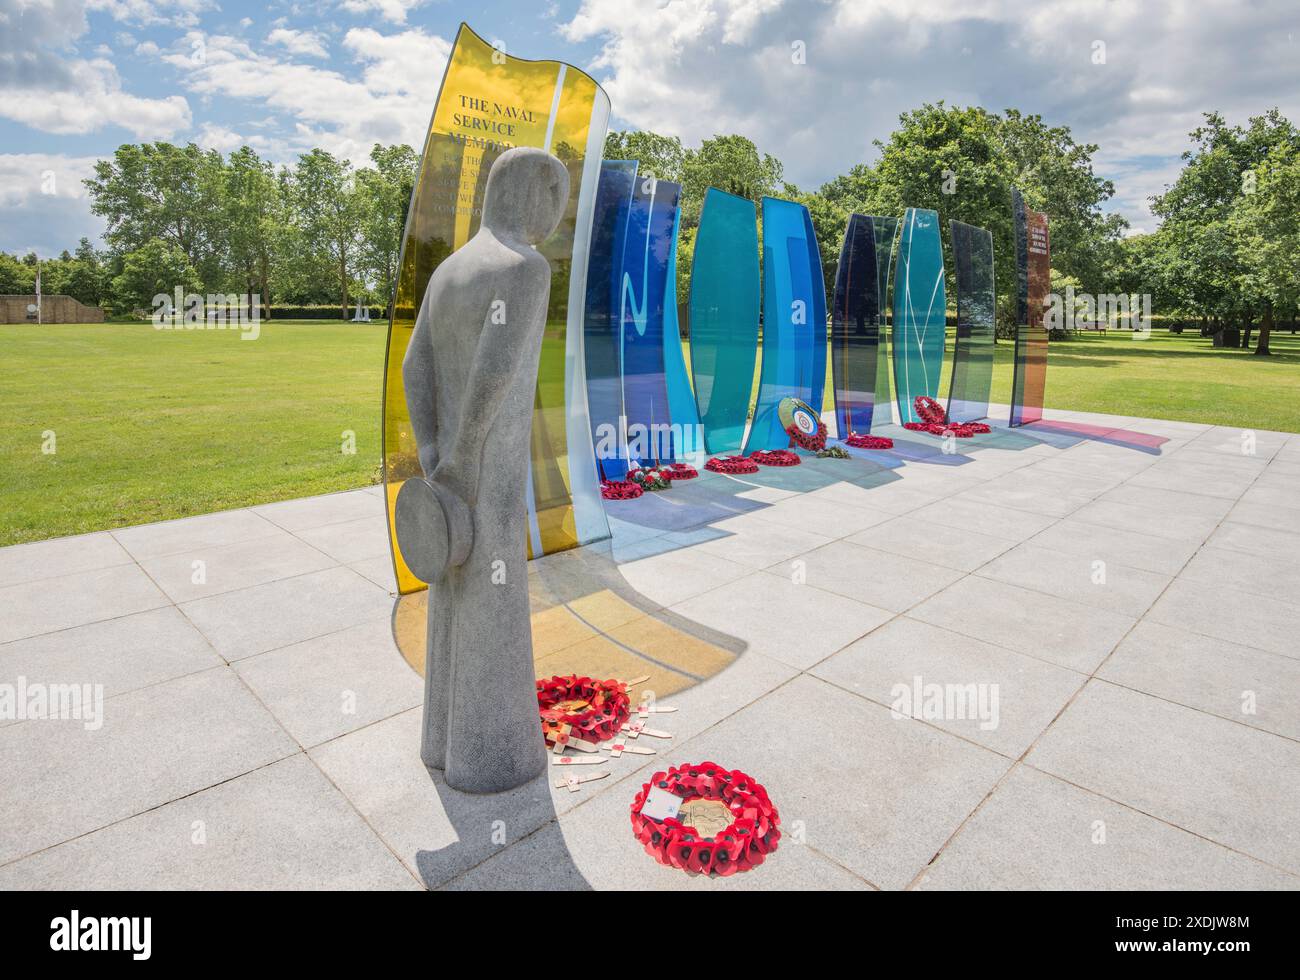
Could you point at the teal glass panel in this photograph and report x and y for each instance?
(794, 321)
(681, 400)
(723, 321)
(919, 311)
(972, 360)
(885, 231)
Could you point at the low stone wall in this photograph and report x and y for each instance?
(55, 308)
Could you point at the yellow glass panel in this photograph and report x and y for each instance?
(488, 103)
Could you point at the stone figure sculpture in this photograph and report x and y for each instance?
(470, 374)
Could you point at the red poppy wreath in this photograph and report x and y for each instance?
(811, 442)
(934, 420)
(620, 490)
(581, 707)
(725, 823)
(864, 441)
(678, 471)
(731, 464)
(775, 457)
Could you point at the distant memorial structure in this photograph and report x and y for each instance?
(54, 308)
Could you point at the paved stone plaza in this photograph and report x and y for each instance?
(1128, 591)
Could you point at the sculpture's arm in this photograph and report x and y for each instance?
(417, 372)
(509, 328)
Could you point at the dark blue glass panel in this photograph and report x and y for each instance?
(602, 334)
(972, 360)
(886, 234)
(794, 321)
(724, 312)
(919, 311)
(855, 327)
(647, 245)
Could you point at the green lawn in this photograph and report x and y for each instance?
(155, 424)
(151, 425)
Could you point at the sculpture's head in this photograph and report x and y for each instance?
(527, 190)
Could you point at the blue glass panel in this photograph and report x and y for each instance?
(972, 360)
(602, 335)
(681, 400)
(794, 321)
(855, 327)
(919, 311)
(886, 234)
(724, 310)
(646, 247)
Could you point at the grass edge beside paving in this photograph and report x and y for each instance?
(132, 409)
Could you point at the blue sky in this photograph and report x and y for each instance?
(80, 77)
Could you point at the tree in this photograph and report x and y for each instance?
(662, 156)
(1212, 256)
(729, 163)
(329, 210)
(1265, 225)
(173, 193)
(252, 215)
(386, 191)
(156, 267)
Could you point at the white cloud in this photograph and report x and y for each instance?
(93, 100)
(176, 13)
(46, 207)
(694, 69)
(390, 10)
(43, 84)
(389, 103)
(299, 42)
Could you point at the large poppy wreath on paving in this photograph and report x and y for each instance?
(724, 824)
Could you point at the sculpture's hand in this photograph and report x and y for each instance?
(417, 374)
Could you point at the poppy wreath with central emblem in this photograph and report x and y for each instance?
(581, 707)
(752, 834)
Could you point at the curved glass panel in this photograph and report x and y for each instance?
(602, 324)
(886, 232)
(972, 359)
(681, 400)
(724, 310)
(647, 245)
(1033, 282)
(919, 311)
(488, 103)
(855, 327)
(794, 321)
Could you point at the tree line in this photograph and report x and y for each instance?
(1225, 256)
(316, 233)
